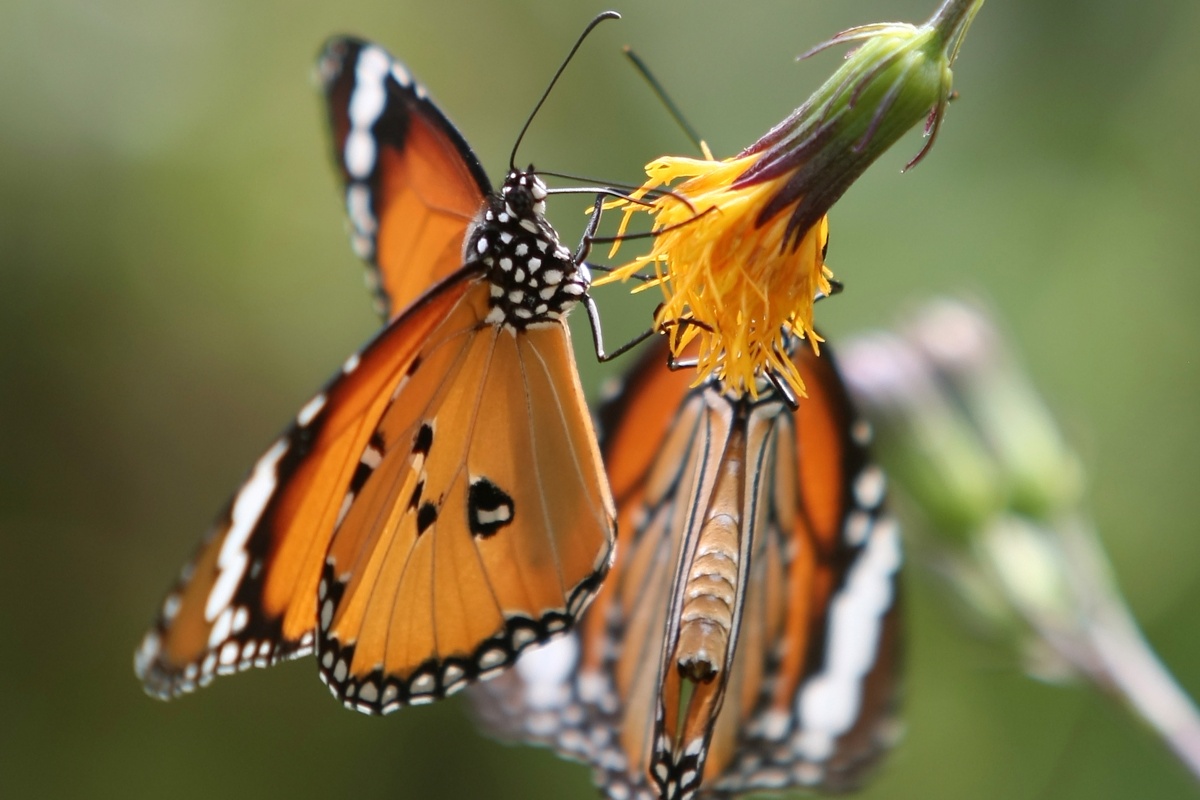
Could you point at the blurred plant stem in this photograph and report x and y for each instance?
(965, 434)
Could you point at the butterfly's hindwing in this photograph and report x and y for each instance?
(451, 559)
(807, 700)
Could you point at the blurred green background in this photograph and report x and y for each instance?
(175, 281)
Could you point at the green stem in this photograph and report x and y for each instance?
(952, 20)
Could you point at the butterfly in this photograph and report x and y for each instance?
(747, 638)
(440, 505)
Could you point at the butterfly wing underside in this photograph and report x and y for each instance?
(466, 541)
(324, 532)
(807, 699)
(248, 597)
(412, 184)
(420, 535)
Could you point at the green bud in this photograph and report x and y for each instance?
(925, 442)
(898, 76)
(1042, 474)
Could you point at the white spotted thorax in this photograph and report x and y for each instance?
(535, 278)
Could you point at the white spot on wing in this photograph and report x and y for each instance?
(221, 628)
(248, 507)
(423, 684)
(365, 107)
(870, 486)
(310, 410)
(829, 702)
(358, 207)
(401, 74)
(171, 606)
(229, 654)
(858, 525)
(359, 153)
(546, 672)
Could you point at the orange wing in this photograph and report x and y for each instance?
(416, 531)
(441, 505)
(824, 711)
(412, 184)
(803, 657)
(482, 527)
(249, 595)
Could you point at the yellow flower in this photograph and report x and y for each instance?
(738, 287)
(739, 245)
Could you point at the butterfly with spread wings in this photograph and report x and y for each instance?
(747, 637)
(440, 505)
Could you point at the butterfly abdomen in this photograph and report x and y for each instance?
(711, 589)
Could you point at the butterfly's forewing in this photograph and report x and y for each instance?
(807, 699)
(249, 595)
(412, 185)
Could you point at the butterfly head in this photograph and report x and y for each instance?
(534, 278)
(525, 192)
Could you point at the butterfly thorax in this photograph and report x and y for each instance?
(534, 278)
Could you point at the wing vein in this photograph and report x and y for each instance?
(599, 512)
(474, 541)
(537, 470)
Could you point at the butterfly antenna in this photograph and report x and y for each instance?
(664, 98)
(512, 158)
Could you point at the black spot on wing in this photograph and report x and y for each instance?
(489, 508)
(424, 439)
(392, 126)
(415, 500)
(426, 517)
(359, 479)
(370, 459)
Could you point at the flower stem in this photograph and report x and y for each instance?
(952, 20)
(1124, 662)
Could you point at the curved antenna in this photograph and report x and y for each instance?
(615, 189)
(664, 98)
(512, 158)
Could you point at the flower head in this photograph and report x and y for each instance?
(742, 291)
(739, 244)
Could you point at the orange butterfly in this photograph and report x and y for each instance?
(441, 504)
(747, 638)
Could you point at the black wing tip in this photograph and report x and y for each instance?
(341, 44)
(337, 57)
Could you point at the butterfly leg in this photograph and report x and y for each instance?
(598, 337)
(585, 246)
(589, 233)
